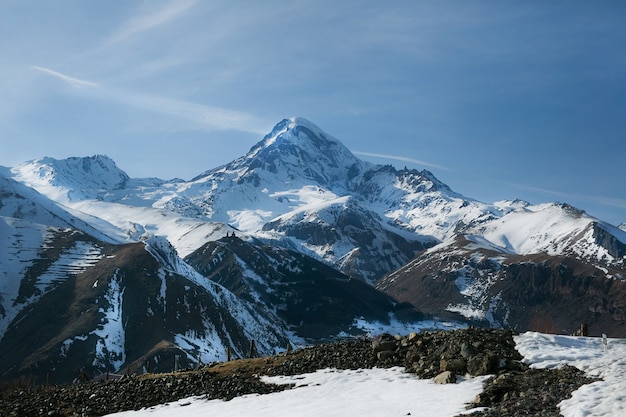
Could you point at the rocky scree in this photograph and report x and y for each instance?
(514, 390)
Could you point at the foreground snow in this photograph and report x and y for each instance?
(606, 398)
(376, 392)
(363, 393)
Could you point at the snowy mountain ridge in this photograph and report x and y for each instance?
(80, 178)
(298, 169)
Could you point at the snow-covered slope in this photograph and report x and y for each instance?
(95, 190)
(41, 245)
(555, 229)
(74, 178)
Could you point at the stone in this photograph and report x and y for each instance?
(412, 356)
(482, 365)
(384, 345)
(467, 350)
(385, 355)
(458, 366)
(445, 377)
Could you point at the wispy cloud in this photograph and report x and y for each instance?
(401, 158)
(202, 116)
(609, 201)
(208, 116)
(70, 80)
(539, 190)
(601, 200)
(144, 22)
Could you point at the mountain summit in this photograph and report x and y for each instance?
(295, 151)
(302, 150)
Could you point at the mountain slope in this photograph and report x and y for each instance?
(315, 300)
(137, 304)
(73, 299)
(548, 267)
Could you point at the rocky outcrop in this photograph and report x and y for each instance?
(470, 351)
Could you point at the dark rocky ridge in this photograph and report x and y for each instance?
(514, 390)
(316, 301)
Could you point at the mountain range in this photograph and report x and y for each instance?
(295, 242)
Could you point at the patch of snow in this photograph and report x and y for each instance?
(474, 284)
(111, 343)
(467, 311)
(67, 344)
(199, 347)
(163, 289)
(337, 393)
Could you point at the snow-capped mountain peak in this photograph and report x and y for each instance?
(295, 131)
(300, 149)
(74, 178)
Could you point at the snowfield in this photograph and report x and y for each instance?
(391, 392)
(328, 392)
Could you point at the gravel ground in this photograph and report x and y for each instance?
(514, 390)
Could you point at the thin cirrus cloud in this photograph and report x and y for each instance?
(400, 158)
(77, 82)
(207, 116)
(200, 115)
(144, 22)
(605, 201)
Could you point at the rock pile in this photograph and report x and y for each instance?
(534, 392)
(129, 393)
(514, 390)
(470, 351)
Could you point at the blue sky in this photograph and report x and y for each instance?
(500, 100)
